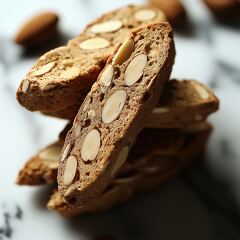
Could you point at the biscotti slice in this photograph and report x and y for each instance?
(114, 111)
(61, 78)
(42, 168)
(183, 103)
(147, 176)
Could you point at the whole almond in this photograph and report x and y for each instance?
(37, 30)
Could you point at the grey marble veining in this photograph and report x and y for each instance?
(201, 204)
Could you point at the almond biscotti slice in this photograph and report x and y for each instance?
(61, 78)
(155, 170)
(183, 103)
(114, 112)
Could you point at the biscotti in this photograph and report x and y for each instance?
(61, 78)
(37, 30)
(114, 111)
(155, 170)
(173, 9)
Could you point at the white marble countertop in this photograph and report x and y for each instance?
(201, 204)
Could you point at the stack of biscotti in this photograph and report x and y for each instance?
(130, 127)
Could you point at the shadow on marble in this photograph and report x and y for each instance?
(41, 196)
(58, 41)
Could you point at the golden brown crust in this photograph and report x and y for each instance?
(45, 90)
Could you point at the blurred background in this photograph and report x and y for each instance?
(203, 203)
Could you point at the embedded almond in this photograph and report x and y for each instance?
(77, 131)
(94, 43)
(65, 152)
(105, 27)
(160, 110)
(43, 69)
(49, 86)
(86, 104)
(70, 170)
(124, 52)
(202, 92)
(91, 145)
(122, 157)
(51, 153)
(91, 114)
(106, 78)
(70, 73)
(25, 85)
(145, 15)
(135, 69)
(113, 106)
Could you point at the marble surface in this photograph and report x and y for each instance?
(201, 204)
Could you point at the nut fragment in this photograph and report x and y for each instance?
(135, 69)
(124, 52)
(44, 69)
(86, 104)
(49, 86)
(160, 110)
(145, 15)
(202, 92)
(106, 78)
(94, 43)
(91, 145)
(70, 73)
(77, 131)
(108, 26)
(51, 153)
(122, 157)
(25, 85)
(91, 114)
(70, 170)
(65, 152)
(113, 106)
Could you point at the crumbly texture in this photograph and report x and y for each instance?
(61, 78)
(37, 30)
(173, 9)
(181, 104)
(224, 8)
(114, 132)
(155, 169)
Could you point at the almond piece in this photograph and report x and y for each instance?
(145, 15)
(202, 92)
(25, 85)
(105, 27)
(122, 157)
(77, 131)
(135, 69)
(37, 30)
(91, 145)
(91, 114)
(106, 78)
(43, 69)
(70, 170)
(94, 43)
(86, 104)
(70, 73)
(124, 52)
(113, 106)
(65, 152)
(51, 153)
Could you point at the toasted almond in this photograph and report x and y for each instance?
(90, 146)
(202, 92)
(145, 15)
(70, 73)
(113, 106)
(135, 69)
(108, 26)
(51, 153)
(70, 170)
(25, 85)
(122, 157)
(65, 152)
(106, 78)
(94, 43)
(43, 69)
